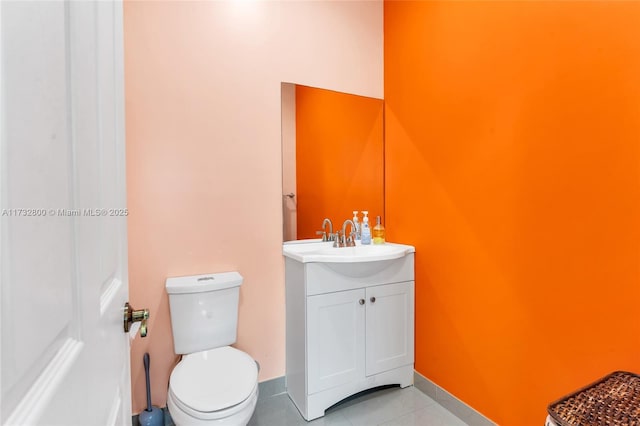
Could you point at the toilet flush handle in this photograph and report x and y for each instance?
(131, 316)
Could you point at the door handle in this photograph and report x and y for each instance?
(131, 316)
(373, 299)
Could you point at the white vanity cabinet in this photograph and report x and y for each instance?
(335, 339)
(350, 327)
(389, 327)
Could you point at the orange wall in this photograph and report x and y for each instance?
(339, 158)
(513, 165)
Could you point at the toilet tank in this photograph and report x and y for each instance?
(204, 310)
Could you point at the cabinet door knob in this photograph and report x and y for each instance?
(361, 301)
(373, 299)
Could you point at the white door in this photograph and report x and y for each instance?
(65, 356)
(335, 338)
(389, 327)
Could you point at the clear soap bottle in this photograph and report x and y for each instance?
(378, 232)
(357, 224)
(366, 231)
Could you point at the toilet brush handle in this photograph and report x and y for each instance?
(147, 361)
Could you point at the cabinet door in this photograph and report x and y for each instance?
(389, 327)
(335, 339)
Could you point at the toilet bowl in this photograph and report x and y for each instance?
(215, 387)
(214, 384)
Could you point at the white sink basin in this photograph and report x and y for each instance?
(325, 252)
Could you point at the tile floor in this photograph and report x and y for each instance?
(385, 407)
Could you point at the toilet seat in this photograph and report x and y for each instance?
(247, 404)
(214, 384)
(239, 416)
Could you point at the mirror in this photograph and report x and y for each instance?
(333, 158)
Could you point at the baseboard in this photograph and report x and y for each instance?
(457, 407)
(270, 388)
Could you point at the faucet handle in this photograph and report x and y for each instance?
(351, 241)
(324, 235)
(337, 241)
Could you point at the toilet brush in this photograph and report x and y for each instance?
(150, 416)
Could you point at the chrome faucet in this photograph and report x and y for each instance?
(337, 242)
(351, 240)
(326, 237)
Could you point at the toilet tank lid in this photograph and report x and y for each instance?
(205, 282)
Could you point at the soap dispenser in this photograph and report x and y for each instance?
(378, 232)
(366, 231)
(356, 224)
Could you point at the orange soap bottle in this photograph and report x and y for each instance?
(378, 232)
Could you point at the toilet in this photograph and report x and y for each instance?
(214, 384)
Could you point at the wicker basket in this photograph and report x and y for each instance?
(613, 400)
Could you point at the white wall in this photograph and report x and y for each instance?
(203, 83)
